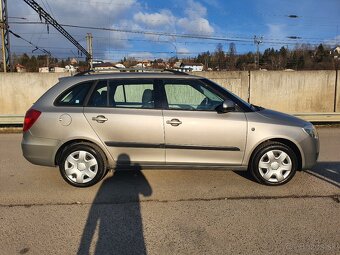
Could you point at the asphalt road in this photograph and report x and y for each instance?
(169, 211)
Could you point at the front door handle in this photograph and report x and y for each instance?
(100, 118)
(174, 122)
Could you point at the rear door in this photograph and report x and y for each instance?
(195, 133)
(127, 118)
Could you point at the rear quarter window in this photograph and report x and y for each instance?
(74, 96)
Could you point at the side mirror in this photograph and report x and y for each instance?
(226, 106)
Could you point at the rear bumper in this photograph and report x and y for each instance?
(39, 151)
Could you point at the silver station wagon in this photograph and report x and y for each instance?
(88, 124)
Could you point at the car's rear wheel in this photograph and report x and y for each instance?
(273, 163)
(82, 165)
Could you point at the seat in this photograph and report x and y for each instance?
(148, 99)
(98, 99)
(103, 99)
(94, 98)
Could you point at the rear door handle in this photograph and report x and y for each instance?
(100, 118)
(174, 122)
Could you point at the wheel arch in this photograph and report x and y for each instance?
(66, 144)
(284, 141)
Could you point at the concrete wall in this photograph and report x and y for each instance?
(236, 82)
(292, 92)
(303, 91)
(338, 92)
(18, 91)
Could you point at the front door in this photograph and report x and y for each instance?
(123, 114)
(195, 133)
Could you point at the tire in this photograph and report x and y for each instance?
(273, 164)
(82, 165)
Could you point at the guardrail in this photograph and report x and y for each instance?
(11, 119)
(18, 119)
(319, 117)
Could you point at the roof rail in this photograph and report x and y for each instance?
(84, 72)
(87, 72)
(175, 71)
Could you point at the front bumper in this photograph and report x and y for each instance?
(39, 151)
(310, 149)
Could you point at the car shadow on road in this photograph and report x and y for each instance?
(327, 171)
(115, 213)
(246, 174)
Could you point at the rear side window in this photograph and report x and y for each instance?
(132, 95)
(74, 96)
(123, 94)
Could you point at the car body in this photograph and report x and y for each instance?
(164, 119)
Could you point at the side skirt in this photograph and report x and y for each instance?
(145, 166)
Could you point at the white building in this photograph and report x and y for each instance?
(44, 69)
(119, 65)
(104, 67)
(52, 70)
(58, 69)
(70, 68)
(194, 67)
(337, 50)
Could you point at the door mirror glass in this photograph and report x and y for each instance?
(226, 106)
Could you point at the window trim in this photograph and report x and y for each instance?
(57, 104)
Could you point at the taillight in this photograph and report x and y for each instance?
(30, 117)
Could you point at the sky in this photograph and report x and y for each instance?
(181, 28)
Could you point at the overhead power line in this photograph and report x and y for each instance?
(274, 41)
(49, 20)
(35, 46)
(159, 33)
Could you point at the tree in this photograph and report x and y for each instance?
(219, 57)
(231, 59)
(130, 61)
(205, 58)
(301, 63)
(283, 53)
(245, 62)
(319, 54)
(173, 60)
(33, 65)
(24, 59)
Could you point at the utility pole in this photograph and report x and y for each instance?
(89, 38)
(257, 41)
(6, 54)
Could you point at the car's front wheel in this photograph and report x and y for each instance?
(82, 165)
(273, 163)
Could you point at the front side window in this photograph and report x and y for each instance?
(190, 95)
(74, 96)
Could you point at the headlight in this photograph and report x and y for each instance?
(311, 131)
